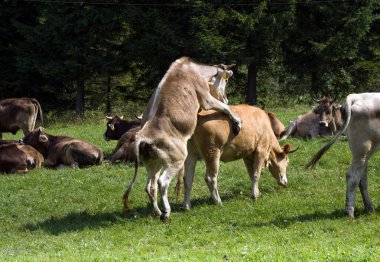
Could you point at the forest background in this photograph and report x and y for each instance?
(108, 56)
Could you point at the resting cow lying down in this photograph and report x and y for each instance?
(63, 150)
(256, 144)
(16, 158)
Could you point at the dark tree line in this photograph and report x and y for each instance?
(100, 54)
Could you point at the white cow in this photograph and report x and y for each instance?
(361, 114)
(170, 120)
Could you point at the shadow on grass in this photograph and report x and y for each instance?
(78, 221)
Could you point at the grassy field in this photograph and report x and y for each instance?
(77, 214)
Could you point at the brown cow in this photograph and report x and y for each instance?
(256, 144)
(277, 126)
(19, 113)
(12, 159)
(34, 158)
(63, 150)
(325, 119)
(170, 120)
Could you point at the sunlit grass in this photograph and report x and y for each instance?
(77, 214)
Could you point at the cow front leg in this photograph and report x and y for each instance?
(212, 169)
(190, 164)
(213, 103)
(254, 166)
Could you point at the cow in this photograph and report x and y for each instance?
(34, 158)
(170, 120)
(12, 159)
(19, 113)
(277, 126)
(325, 119)
(61, 151)
(125, 147)
(361, 118)
(116, 127)
(256, 144)
(119, 129)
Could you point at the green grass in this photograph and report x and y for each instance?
(77, 215)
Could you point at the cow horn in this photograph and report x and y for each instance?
(294, 150)
(139, 117)
(121, 117)
(316, 100)
(109, 118)
(230, 66)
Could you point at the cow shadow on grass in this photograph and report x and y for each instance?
(79, 221)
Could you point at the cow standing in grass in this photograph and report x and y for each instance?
(361, 114)
(170, 120)
(19, 113)
(256, 144)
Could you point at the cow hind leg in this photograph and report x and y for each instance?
(164, 182)
(153, 173)
(363, 186)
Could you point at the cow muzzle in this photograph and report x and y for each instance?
(283, 182)
(323, 124)
(21, 141)
(106, 137)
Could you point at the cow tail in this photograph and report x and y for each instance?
(39, 110)
(126, 194)
(346, 114)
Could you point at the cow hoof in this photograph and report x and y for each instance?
(236, 129)
(164, 217)
(350, 212)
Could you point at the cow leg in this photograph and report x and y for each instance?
(212, 103)
(254, 166)
(212, 169)
(153, 172)
(190, 164)
(363, 186)
(1, 135)
(164, 182)
(119, 154)
(290, 130)
(352, 182)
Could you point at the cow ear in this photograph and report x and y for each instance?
(43, 138)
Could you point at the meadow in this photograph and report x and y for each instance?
(77, 214)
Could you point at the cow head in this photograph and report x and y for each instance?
(38, 139)
(113, 127)
(327, 109)
(277, 164)
(218, 82)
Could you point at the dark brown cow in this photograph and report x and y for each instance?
(325, 119)
(116, 127)
(19, 113)
(12, 159)
(63, 150)
(34, 158)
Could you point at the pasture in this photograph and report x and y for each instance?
(77, 214)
